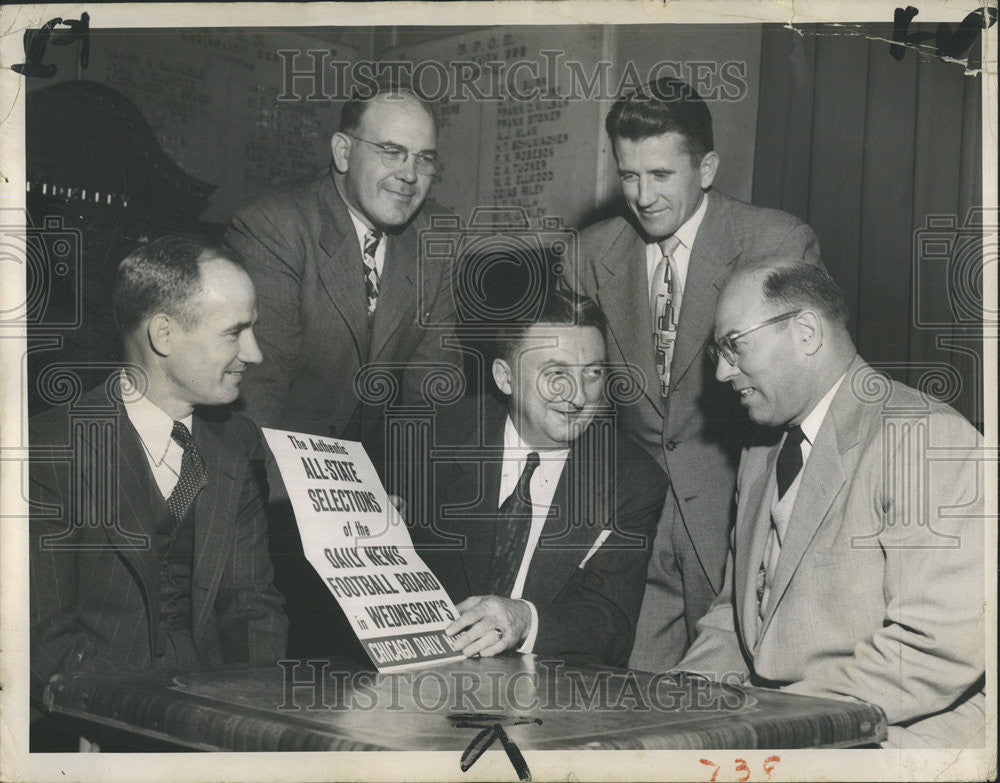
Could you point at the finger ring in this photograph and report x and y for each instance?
(499, 633)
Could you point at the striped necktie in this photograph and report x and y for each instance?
(513, 528)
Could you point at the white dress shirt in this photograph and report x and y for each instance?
(810, 428)
(154, 427)
(544, 481)
(682, 255)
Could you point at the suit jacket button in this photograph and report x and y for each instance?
(670, 444)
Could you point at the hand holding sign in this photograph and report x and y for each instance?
(489, 624)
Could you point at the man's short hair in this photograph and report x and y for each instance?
(163, 276)
(354, 110)
(797, 284)
(667, 105)
(561, 308)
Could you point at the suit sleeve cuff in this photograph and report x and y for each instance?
(529, 641)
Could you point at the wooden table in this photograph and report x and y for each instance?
(537, 705)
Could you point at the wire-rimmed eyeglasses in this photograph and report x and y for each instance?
(427, 161)
(726, 346)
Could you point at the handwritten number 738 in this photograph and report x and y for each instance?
(743, 769)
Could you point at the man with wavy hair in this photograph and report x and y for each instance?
(541, 527)
(656, 272)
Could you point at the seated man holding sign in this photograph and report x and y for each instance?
(540, 526)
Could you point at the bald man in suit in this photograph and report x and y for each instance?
(349, 309)
(857, 565)
(343, 288)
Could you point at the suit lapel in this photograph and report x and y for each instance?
(480, 474)
(712, 256)
(135, 513)
(131, 532)
(571, 526)
(342, 273)
(215, 511)
(822, 479)
(624, 298)
(398, 291)
(752, 526)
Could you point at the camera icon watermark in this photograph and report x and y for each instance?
(51, 257)
(80, 464)
(502, 266)
(951, 260)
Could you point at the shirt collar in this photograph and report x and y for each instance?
(152, 424)
(359, 227)
(811, 423)
(689, 230)
(513, 444)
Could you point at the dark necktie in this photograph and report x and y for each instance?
(787, 468)
(789, 459)
(193, 476)
(372, 238)
(513, 527)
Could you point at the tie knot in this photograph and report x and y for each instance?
(192, 477)
(523, 488)
(183, 437)
(789, 459)
(669, 245)
(794, 437)
(372, 238)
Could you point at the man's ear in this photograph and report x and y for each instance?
(808, 328)
(708, 168)
(340, 147)
(159, 331)
(502, 376)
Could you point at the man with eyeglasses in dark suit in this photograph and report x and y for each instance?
(343, 293)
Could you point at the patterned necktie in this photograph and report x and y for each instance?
(372, 238)
(513, 527)
(788, 466)
(664, 300)
(193, 476)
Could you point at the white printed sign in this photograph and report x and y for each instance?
(357, 542)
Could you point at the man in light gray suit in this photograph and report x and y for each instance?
(676, 227)
(857, 563)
